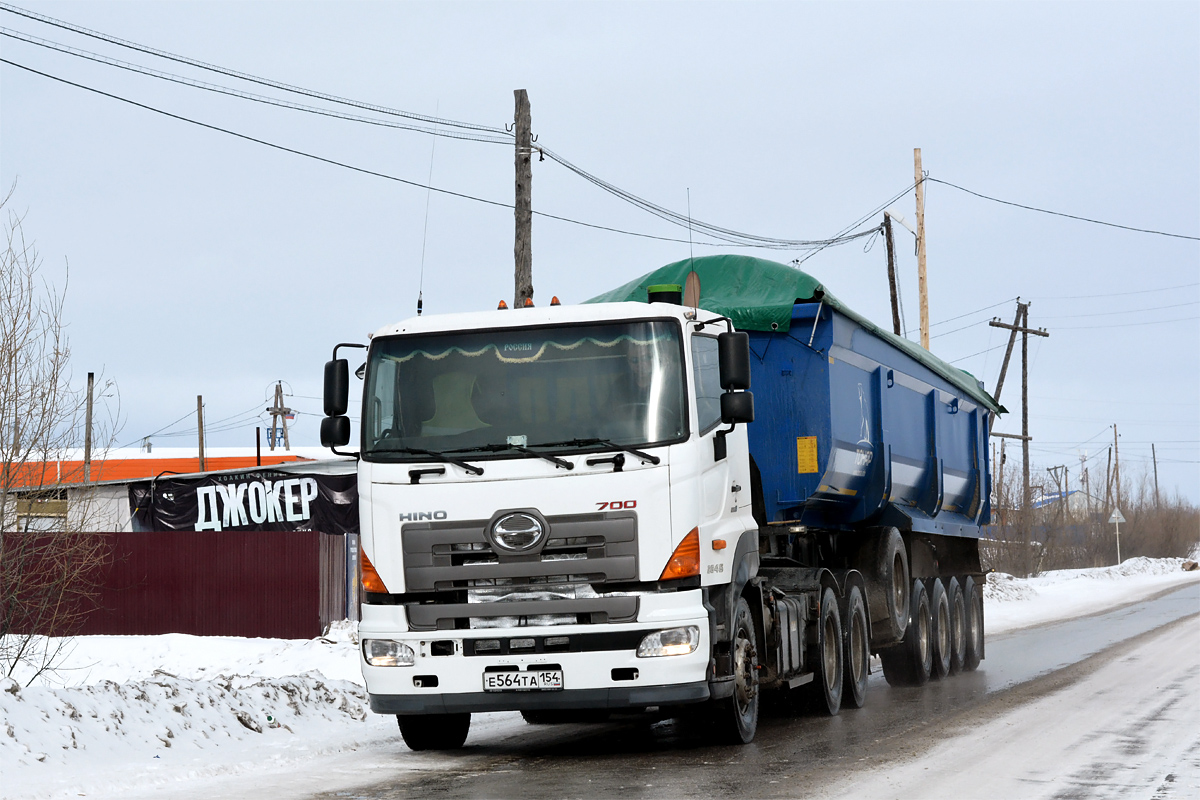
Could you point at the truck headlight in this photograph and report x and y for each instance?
(671, 642)
(387, 653)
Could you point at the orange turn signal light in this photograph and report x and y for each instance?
(370, 578)
(685, 561)
(719, 544)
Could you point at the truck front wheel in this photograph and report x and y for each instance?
(434, 731)
(736, 717)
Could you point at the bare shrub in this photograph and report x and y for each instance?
(49, 565)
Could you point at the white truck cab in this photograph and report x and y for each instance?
(549, 497)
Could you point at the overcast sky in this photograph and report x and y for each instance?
(205, 264)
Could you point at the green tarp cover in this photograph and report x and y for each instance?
(756, 293)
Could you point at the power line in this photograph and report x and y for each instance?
(1115, 294)
(257, 98)
(1123, 311)
(385, 176)
(1124, 324)
(490, 135)
(687, 221)
(12, 9)
(1061, 214)
(330, 161)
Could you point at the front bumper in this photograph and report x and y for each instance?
(612, 698)
(599, 663)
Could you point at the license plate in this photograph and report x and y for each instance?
(541, 680)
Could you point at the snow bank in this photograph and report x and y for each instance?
(152, 714)
(1011, 603)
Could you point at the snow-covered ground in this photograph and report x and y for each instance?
(155, 714)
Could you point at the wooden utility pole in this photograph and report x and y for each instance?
(1108, 483)
(523, 207)
(200, 428)
(922, 287)
(891, 258)
(1012, 340)
(1021, 326)
(87, 432)
(1154, 458)
(1116, 467)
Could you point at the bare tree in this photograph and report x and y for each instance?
(49, 562)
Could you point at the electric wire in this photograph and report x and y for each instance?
(1123, 311)
(416, 184)
(47, 20)
(333, 162)
(1116, 294)
(1060, 213)
(684, 220)
(717, 232)
(225, 90)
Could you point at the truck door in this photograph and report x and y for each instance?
(714, 473)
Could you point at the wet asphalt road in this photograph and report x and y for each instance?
(633, 758)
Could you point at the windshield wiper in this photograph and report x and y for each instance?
(471, 468)
(605, 443)
(499, 448)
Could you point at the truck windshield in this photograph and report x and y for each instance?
(458, 392)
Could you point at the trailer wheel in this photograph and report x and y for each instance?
(909, 663)
(885, 562)
(940, 634)
(973, 622)
(958, 625)
(857, 660)
(736, 716)
(434, 731)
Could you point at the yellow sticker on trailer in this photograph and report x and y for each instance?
(806, 455)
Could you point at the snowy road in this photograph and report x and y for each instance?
(1089, 689)
(1100, 706)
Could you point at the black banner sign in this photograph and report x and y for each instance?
(263, 500)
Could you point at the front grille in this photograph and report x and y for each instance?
(561, 584)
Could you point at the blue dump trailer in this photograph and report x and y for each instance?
(852, 428)
(869, 475)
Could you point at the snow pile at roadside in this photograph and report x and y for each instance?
(1011, 603)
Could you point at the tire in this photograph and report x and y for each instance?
(940, 633)
(856, 636)
(434, 731)
(884, 562)
(828, 656)
(958, 625)
(973, 622)
(910, 662)
(735, 718)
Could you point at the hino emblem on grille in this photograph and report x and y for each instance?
(517, 532)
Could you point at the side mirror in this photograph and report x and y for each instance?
(337, 388)
(733, 355)
(736, 407)
(335, 431)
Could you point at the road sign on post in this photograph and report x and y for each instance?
(1116, 519)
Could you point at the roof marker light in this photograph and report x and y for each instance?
(554, 301)
(502, 307)
(529, 302)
